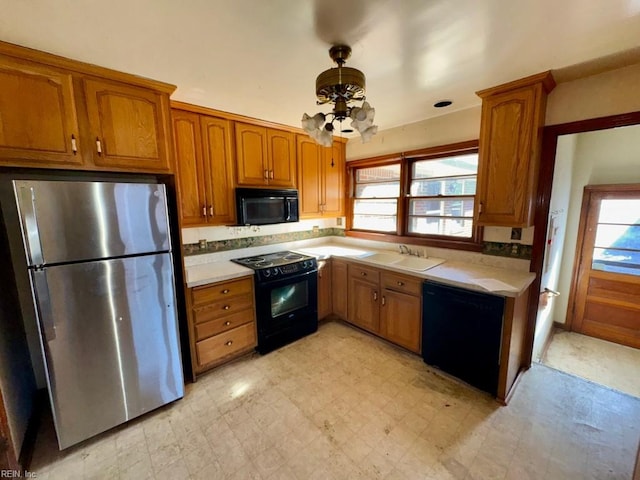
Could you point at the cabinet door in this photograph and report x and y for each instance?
(281, 151)
(251, 155)
(190, 168)
(216, 145)
(400, 319)
(38, 123)
(324, 288)
(364, 304)
(127, 125)
(506, 176)
(333, 180)
(309, 183)
(339, 288)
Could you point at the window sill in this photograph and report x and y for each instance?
(427, 242)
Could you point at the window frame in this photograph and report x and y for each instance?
(406, 161)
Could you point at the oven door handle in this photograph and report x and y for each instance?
(287, 280)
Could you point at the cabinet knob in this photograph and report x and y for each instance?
(227, 323)
(225, 291)
(266, 173)
(384, 301)
(400, 284)
(375, 296)
(229, 343)
(204, 211)
(211, 210)
(364, 274)
(98, 146)
(271, 174)
(74, 146)
(226, 307)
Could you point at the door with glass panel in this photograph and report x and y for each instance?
(605, 299)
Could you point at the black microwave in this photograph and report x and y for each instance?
(264, 206)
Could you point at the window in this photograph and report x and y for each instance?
(441, 196)
(377, 190)
(426, 195)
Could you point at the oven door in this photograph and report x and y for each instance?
(288, 304)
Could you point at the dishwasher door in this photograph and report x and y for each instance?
(462, 333)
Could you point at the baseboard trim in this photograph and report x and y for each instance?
(40, 399)
(561, 326)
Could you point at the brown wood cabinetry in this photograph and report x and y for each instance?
(509, 156)
(204, 168)
(38, 121)
(320, 178)
(339, 285)
(59, 113)
(221, 322)
(401, 310)
(128, 126)
(324, 288)
(386, 303)
(265, 156)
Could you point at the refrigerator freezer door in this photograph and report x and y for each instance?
(77, 221)
(110, 341)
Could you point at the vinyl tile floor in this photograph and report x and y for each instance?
(342, 404)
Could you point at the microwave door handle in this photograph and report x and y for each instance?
(288, 209)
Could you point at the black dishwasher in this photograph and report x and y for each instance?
(462, 332)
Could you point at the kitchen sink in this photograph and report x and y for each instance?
(418, 264)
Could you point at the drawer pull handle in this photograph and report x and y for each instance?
(226, 307)
(400, 284)
(227, 324)
(364, 274)
(226, 290)
(375, 296)
(74, 147)
(98, 146)
(384, 302)
(229, 343)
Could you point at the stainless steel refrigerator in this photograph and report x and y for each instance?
(101, 272)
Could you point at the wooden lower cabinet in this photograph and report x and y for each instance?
(400, 319)
(339, 287)
(324, 288)
(221, 322)
(385, 303)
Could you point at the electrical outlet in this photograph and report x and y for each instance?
(339, 221)
(202, 244)
(316, 229)
(516, 234)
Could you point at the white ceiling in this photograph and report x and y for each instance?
(260, 57)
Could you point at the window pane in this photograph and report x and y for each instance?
(446, 167)
(378, 174)
(618, 261)
(378, 206)
(625, 211)
(618, 236)
(379, 223)
(378, 190)
(459, 207)
(455, 227)
(445, 186)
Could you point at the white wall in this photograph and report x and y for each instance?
(609, 93)
(558, 210)
(602, 157)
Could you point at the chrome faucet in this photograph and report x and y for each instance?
(404, 250)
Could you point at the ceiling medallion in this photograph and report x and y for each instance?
(340, 86)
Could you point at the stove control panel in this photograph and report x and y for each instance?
(289, 270)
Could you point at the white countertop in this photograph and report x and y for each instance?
(499, 281)
(197, 275)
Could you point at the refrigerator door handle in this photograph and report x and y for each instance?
(27, 206)
(43, 302)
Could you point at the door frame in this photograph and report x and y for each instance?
(550, 136)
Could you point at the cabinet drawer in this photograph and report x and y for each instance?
(219, 325)
(225, 344)
(223, 290)
(365, 273)
(401, 283)
(222, 308)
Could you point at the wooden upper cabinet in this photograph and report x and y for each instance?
(281, 151)
(265, 156)
(128, 125)
(320, 178)
(204, 168)
(38, 122)
(251, 155)
(509, 156)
